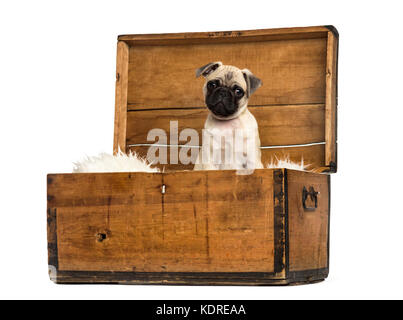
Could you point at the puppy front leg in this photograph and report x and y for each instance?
(200, 165)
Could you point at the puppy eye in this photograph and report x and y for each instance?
(212, 85)
(238, 92)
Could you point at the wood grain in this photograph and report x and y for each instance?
(122, 66)
(180, 278)
(312, 155)
(331, 101)
(278, 125)
(52, 239)
(122, 222)
(226, 36)
(280, 216)
(163, 76)
(220, 221)
(308, 230)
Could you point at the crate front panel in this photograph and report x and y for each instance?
(204, 222)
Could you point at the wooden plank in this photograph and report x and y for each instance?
(177, 278)
(116, 206)
(308, 230)
(278, 125)
(122, 222)
(52, 240)
(314, 156)
(217, 221)
(226, 36)
(280, 213)
(331, 101)
(100, 189)
(292, 71)
(122, 67)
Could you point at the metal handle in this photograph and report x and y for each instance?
(313, 195)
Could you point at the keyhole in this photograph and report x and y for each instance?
(101, 237)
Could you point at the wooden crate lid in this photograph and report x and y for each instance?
(295, 108)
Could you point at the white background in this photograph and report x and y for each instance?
(57, 73)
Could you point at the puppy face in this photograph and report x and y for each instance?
(227, 89)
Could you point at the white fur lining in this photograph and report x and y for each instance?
(131, 162)
(286, 163)
(120, 162)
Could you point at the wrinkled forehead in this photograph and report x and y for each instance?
(229, 75)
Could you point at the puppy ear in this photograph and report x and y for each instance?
(207, 69)
(252, 82)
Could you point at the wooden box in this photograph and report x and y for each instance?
(207, 227)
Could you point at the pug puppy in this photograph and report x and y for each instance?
(230, 136)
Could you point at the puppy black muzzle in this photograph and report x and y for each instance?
(222, 102)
